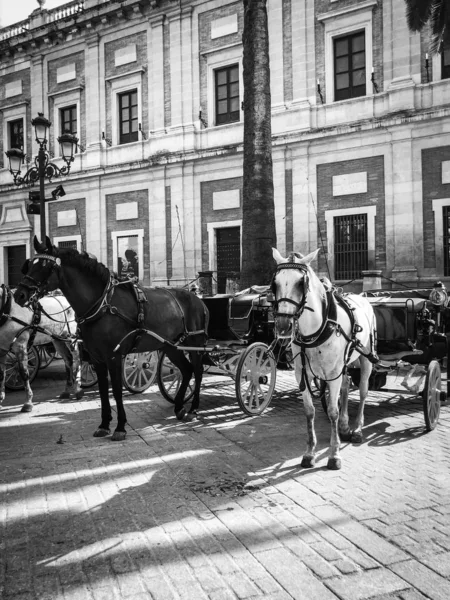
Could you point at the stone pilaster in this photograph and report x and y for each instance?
(94, 93)
(156, 76)
(175, 70)
(275, 19)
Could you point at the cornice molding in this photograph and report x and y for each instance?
(340, 12)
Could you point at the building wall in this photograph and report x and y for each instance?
(178, 172)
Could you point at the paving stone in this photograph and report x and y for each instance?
(293, 575)
(368, 584)
(423, 579)
(93, 519)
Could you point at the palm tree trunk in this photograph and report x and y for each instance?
(258, 209)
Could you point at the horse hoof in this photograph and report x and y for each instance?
(102, 432)
(118, 436)
(64, 396)
(346, 436)
(189, 417)
(181, 414)
(334, 464)
(357, 437)
(79, 395)
(26, 408)
(308, 462)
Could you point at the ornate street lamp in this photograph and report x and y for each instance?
(42, 167)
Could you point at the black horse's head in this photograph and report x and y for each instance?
(41, 273)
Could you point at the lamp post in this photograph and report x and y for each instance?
(42, 167)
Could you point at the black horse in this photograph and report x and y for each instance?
(116, 318)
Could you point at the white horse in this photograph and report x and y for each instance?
(57, 324)
(328, 333)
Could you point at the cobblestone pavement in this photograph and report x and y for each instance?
(220, 509)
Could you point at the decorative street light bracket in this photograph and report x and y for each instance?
(50, 170)
(42, 168)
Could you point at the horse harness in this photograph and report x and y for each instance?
(104, 304)
(328, 327)
(34, 326)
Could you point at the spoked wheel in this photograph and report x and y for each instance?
(139, 371)
(169, 379)
(432, 395)
(88, 375)
(255, 379)
(47, 354)
(13, 380)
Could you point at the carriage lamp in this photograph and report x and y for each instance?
(42, 168)
(438, 295)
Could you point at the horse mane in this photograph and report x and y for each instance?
(83, 261)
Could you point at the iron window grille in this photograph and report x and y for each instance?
(446, 239)
(16, 133)
(445, 65)
(351, 255)
(68, 244)
(350, 66)
(128, 117)
(227, 94)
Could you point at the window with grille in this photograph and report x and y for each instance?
(16, 133)
(68, 119)
(350, 246)
(445, 72)
(68, 244)
(350, 66)
(227, 94)
(128, 117)
(446, 240)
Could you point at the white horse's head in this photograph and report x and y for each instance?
(289, 286)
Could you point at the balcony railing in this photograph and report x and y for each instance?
(61, 12)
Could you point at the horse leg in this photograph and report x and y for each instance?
(102, 375)
(115, 374)
(2, 377)
(21, 352)
(185, 367)
(366, 369)
(197, 362)
(345, 433)
(334, 460)
(76, 369)
(63, 350)
(309, 457)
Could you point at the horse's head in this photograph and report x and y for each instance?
(290, 284)
(41, 273)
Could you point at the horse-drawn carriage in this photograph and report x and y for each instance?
(413, 336)
(329, 334)
(241, 330)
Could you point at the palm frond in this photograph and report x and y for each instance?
(440, 25)
(417, 13)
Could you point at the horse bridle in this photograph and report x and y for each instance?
(39, 288)
(300, 306)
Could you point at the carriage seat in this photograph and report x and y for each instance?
(396, 322)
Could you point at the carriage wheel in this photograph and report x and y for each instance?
(13, 380)
(432, 395)
(139, 371)
(47, 354)
(88, 375)
(169, 379)
(255, 378)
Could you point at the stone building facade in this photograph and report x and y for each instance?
(153, 89)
